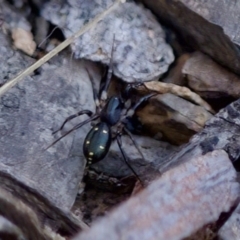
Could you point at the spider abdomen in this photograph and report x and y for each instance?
(97, 143)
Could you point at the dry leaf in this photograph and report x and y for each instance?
(180, 91)
(23, 40)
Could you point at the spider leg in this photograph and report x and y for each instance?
(88, 112)
(130, 113)
(132, 110)
(134, 142)
(103, 94)
(119, 141)
(73, 129)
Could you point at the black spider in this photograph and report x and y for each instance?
(113, 114)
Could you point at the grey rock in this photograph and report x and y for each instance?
(140, 50)
(208, 26)
(28, 114)
(181, 201)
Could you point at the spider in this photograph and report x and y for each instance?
(113, 114)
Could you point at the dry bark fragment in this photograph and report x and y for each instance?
(21, 216)
(174, 74)
(206, 76)
(60, 219)
(181, 201)
(175, 118)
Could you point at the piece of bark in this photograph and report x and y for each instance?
(41, 206)
(180, 202)
(140, 51)
(9, 230)
(175, 74)
(222, 13)
(24, 219)
(206, 76)
(203, 25)
(175, 118)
